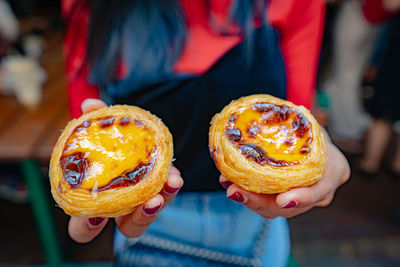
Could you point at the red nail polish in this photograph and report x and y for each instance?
(225, 184)
(237, 196)
(151, 211)
(291, 204)
(171, 189)
(96, 221)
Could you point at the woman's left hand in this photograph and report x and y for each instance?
(298, 200)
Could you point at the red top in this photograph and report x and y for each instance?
(299, 23)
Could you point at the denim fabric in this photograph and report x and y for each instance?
(207, 229)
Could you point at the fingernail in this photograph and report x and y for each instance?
(151, 211)
(96, 221)
(225, 184)
(171, 189)
(237, 196)
(291, 204)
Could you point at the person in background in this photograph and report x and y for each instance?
(184, 60)
(353, 41)
(384, 106)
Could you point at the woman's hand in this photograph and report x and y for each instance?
(298, 200)
(135, 223)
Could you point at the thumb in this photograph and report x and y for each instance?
(91, 104)
(304, 196)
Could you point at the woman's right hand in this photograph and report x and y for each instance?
(132, 225)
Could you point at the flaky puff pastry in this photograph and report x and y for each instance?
(267, 145)
(109, 161)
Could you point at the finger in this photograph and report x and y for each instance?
(172, 186)
(174, 170)
(83, 230)
(289, 199)
(225, 183)
(263, 204)
(91, 104)
(136, 222)
(305, 196)
(326, 202)
(337, 173)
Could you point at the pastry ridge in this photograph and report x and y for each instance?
(266, 179)
(118, 201)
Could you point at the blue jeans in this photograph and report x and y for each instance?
(207, 229)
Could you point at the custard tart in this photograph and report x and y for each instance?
(267, 145)
(109, 161)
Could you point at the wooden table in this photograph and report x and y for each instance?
(28, 136)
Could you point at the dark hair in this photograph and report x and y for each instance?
(148, 36)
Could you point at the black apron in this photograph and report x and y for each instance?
(186, 103)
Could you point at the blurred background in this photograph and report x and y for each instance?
(356, 100)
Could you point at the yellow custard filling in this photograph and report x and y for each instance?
(270, 134)
(108, 152)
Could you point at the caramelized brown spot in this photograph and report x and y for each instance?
(232, 119)
(254, 152)
(83, 126)
(234, 134)
(281, 122)
(130, 177)
(258, 155)
(289, 142)
(213, 152)
(305, 150)
(106, 122)
(124, 121)
(86, 123)
(74, 168)
(59, 188)
(263, 107)
(270, 118)
(139, 123)
(76, 165)
(279, 163)
(254, 129)
(273, 114)
(300, 126)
